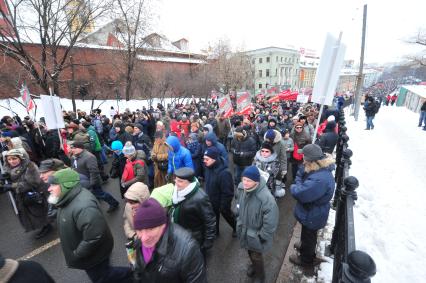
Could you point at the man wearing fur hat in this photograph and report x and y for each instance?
(313, 190)
(244, 149)
(165, 252)
(257, 219)
(86, 239)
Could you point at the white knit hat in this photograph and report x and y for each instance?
(128, 149)
(331, 118)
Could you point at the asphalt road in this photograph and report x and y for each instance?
(227, 262)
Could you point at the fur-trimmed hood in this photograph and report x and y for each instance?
(326, 163)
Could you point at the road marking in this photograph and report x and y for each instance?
(40, 249)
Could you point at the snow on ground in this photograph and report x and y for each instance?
(390, 213)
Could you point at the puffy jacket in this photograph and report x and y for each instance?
(219, 185)
(213, 139)
(195, 214)
(328, 139)
(86, 164)
(244, 151)
(95, 145)
(179, 157)
(279, 147)
(369, 108)
(176, 259)
(138, 191)
(257, 217)
(313, 192)
(136, 170)
(86, 239)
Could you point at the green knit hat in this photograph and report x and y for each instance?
(66, 178)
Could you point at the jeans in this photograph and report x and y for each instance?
(370, 122)
(102, 195)
(105, 273)
(309, 242)
(422, 119)
(238, 171)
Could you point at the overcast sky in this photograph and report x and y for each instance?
(257, 24)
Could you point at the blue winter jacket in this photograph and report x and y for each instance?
(179, 157)
(213, 138)
(313, 192)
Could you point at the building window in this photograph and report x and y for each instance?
(281, 59)
(252, 73)
(276, 72)
(260, 85)
(276, 59)
(267, 72)
(260, 60)
(260, 73)
(267, 86)
(253, 61)
(267, 60)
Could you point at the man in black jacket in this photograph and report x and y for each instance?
(243, 151)
(192, 208)
(86, 239)
(165, 253)
(328, 139)
(219, 187)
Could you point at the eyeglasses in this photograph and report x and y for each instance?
(131, 201)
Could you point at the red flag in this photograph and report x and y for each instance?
(26, 98)
(225, 106)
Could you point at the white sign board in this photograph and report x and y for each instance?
(328, 71)
(301, 98)
(52, 112)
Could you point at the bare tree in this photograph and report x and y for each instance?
(419, 39)
(232, 69)
(54, 24)
(131, 30)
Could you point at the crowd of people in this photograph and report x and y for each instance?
(172, 166)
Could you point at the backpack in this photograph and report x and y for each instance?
(376, 107)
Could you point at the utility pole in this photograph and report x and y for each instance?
(361, 67)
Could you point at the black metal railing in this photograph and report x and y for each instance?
(349, 264)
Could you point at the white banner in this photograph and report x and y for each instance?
(52, 112)
(328, 71)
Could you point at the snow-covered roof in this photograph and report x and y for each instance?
(170, 59)
(417, 89)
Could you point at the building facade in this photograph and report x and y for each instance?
(274, 67)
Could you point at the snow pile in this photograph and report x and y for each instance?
(390, 164)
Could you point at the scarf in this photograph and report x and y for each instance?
(179, 196)
(148, 252)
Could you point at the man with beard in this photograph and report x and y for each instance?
(86, 239)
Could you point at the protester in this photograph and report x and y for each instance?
(85, 163)
(422, 119)
(257, 219)
(178, 156)
(23, 180)
(135, 169)
(13, 271)
(165, 252)
(313, 190)
(219, 187)
(134, 196)
(192, 208)
(243, 148)
(86, 239)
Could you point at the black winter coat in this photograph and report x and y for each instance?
(219, 184)
(196, 215)
(244, 151)
(328, 141)
(86, 239)
(176, 259)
